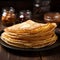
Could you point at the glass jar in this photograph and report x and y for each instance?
(8, 17)
(21, 17)
(36, 9)
(28, 15)
(52, 17)
(40, 8)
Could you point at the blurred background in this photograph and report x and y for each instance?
(37, 7)
(27, 4)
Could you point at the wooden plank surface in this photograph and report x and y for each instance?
(53, 54)
(7, 54)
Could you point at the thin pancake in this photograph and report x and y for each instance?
(30, 43)
(28, 37)
(30, 27)
(36, 44)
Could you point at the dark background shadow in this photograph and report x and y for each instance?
(27, 4)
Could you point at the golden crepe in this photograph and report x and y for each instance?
(30, 34)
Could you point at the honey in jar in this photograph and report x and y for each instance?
(8, 17)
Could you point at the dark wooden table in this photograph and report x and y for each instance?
(8, 54)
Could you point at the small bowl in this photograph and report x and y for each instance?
(52, 17)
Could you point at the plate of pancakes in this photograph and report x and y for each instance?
(30, 36)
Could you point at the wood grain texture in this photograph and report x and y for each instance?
(7, 54)
(53, 54)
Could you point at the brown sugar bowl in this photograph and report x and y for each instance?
(52, 17)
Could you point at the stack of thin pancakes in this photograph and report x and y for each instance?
(30, 34)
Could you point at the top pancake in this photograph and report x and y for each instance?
(31, 27)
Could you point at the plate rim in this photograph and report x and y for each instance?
(29, 49)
